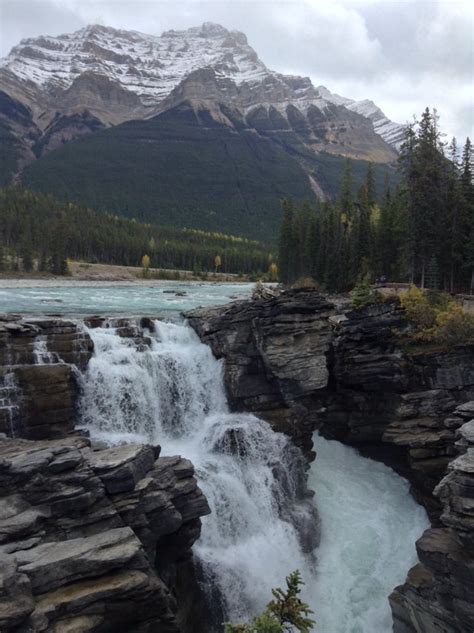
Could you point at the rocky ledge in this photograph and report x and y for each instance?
(94, 540)
(39, 359)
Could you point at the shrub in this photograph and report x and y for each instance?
(436, 317)
(364, 295)
(285, 613)
(418, 308)
(454, 326)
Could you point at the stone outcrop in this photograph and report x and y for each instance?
(394, 404)
(438, 594)
(93, 540)
(275, 353)
(305, 364)
(39, 359)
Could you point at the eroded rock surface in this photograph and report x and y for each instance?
(275, 353)
(438, 594)
(93, 540)
(347, 376)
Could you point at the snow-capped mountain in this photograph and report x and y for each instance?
(189, 128)
(150, 67)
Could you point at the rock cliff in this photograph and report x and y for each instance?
(276, 357)
(346, 375)
(39, 359)
(93, 540)
(438, 594)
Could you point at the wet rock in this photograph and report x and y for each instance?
(445, 600)
(39, 359)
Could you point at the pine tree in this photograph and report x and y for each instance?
(370, 186)
(346, 198)
(467, 195)
(286, 245)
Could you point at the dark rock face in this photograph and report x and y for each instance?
(38, 364)
(275, 355)
(83, 535)
(395, 405)
(438, 594)
(354, 383)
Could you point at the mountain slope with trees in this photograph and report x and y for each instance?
(184, 168)
(38, 228)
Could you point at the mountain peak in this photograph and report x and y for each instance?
(152, 68)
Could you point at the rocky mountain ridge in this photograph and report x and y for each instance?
(150, 67)
(57, 89)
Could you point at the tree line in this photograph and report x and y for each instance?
(39, 232)
(419, 231)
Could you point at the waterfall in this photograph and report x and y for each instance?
(164, 386)
(41, 354)
(167, 388)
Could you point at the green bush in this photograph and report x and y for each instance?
(364, 295)
(454, 326)
(284, 614)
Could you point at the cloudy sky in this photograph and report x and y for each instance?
(403, 54)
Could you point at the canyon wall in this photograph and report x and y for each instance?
(346, 374)
(297, 361)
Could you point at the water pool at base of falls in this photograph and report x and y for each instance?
(369, 526)
(172, 393)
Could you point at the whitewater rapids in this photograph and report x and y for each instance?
(171, 392)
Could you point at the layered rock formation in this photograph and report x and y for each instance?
(297, 361)
(349, 377)
(438, 594)
(39, 360)
(93, 540)
(275, 353)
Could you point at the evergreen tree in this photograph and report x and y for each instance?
(346, 198)
(370, 186)
(286, 246)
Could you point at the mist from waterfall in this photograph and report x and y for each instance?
(171, 392)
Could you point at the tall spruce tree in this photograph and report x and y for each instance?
(286, 245)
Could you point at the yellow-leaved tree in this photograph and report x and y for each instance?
(146, 265)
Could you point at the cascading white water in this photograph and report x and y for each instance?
(370, 524)
(41, 354)
(173, 394)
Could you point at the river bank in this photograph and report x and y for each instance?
(107, 273)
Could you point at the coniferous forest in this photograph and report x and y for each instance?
(421, 230)
(37, 231)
